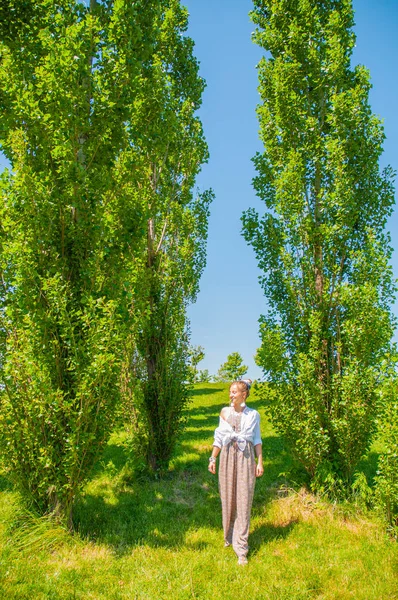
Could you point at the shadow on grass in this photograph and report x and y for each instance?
(206, 391)
(204, 411)
(158, 513)
(267, 533)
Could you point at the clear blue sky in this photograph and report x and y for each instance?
(225, 316)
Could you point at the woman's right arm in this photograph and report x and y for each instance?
(213, 459)
(216, 445)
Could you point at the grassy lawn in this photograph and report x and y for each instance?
(143, 539)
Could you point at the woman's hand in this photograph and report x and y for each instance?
(213, 459)
(258, 450)
(259, 470)
(212, 467)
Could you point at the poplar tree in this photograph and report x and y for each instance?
(171, 151)
(66, 72)
(321, 244)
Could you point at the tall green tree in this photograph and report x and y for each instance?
(65, 224)
(321, 245)
(171, 152)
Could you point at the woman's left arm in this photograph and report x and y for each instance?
(258, 449)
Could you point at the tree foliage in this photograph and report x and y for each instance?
(170, 154)
(97, 220)
(203, 376)
(321, 245)
(232, 369)
(196, 355)
(387, 474)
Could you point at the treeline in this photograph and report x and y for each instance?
(231, 370)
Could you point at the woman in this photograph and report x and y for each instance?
(238, 439)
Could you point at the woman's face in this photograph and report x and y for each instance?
(237, 394)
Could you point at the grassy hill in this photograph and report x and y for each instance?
(144, 539)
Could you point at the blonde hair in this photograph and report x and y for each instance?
(244, 385)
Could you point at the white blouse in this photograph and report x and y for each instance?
(249, 430)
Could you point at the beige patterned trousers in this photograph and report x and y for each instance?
(237, 477)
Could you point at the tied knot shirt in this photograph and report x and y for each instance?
(249, 430)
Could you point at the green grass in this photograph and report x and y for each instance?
(155, 539)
